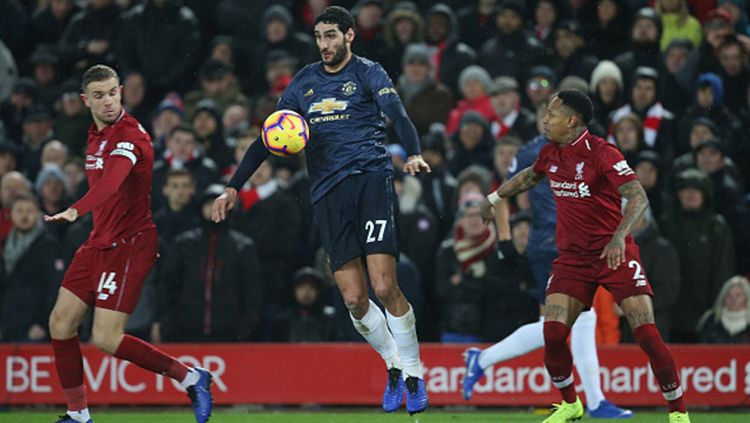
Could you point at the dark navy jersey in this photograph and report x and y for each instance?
(347, 124)
(543, 208)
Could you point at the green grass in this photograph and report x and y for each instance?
(364, 416)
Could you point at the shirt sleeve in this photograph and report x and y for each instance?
(116, 170)
(540, 164)
(381, 87)
(128, 150)
(614, 167)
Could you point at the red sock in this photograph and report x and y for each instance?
(69, 365)
(662, 364)
(150, 358)
(558, 360)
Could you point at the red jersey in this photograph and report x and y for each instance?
(585, 177)
(127, 210)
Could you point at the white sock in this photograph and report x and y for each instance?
(190, 379)
(81, 416)
(585, 358)
(373, 328)
(525, 339)
(404, 329)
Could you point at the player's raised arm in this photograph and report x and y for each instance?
(254, 156)
(523, 181)
(637, 201)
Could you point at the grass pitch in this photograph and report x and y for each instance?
(363, 416)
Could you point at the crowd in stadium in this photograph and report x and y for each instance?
(669, 79)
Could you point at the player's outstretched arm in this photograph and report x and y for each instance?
(523, 181)
(614, 251)
(254, 156)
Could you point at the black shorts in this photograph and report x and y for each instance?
(357, 217)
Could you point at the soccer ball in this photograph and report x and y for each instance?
(285, 133)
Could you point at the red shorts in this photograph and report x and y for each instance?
(579, 276)
(112, 278)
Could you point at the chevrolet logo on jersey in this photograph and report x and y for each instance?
(328, 106)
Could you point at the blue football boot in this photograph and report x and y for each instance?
(416, 395)
(200, 396)
(393, 396)
(473, 372)
(607, 410)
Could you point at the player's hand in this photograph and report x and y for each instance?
(614, 252)
(223, 204)
(69, 216)
(414, 164)
(488, 212)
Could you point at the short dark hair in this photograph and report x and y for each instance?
(578, 102)
(27, 197)
(183, 127)
(336, 15)
(98, 73)
(176, 173)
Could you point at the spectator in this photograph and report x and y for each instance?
(717, 29)
(727, 321)
(236, 118)
(734, 73)
(606, 90)
(177, 215)
(368, 24)
(13, 110)
(450, 56)
(50, 186)
(308, 318)
(648, 168)
(216, 81)
(37, 131)
(710, 158)
(91, 35)
(504, 159)
(438, 186)
(54, 152)
(32, 271)
(546, 13)
(279, 70)
(513, 51)
(539, 87)
(183, 152)
(511, 117)
(12, 186)
(208, 126)
(672, 92)
(472, 144)
(210, 284)
(572, 57)
(44, 69)
(403, 27)
(419, 230)
(71, 125)
(606, 27)
(426, 100)
(167, 116)
(9, 70)
(277, 33)
(8, 157)
(75, 174)
(644, 45)
(704, 245)
(222, 49)
(269, 215)
(13, 24)
(477, 22)
(159, 39)
(709, 102)
(475, 179)
(658, 122)
(662, 267)
(629, 137)
(48, 22)
(677, 22)
(475, 86)
(134, 96)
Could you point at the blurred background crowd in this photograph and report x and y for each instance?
(669, 80)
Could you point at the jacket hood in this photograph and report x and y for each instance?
(711, 79)
(444, 9)
(279, 12)
(699, 179)
(389, 31)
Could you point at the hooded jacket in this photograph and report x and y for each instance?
(703, 241)
(452, 55)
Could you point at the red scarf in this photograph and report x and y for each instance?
(473, 250)
(437, 59)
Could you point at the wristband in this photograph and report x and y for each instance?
(494, 199)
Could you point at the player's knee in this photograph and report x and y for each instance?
(555, 333)
(387, 293)
(105, 341)
(356, 303)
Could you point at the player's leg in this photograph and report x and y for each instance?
(370, 322)
(639, 312)
(64, 321)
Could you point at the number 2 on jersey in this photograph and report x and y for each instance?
(638, 276)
